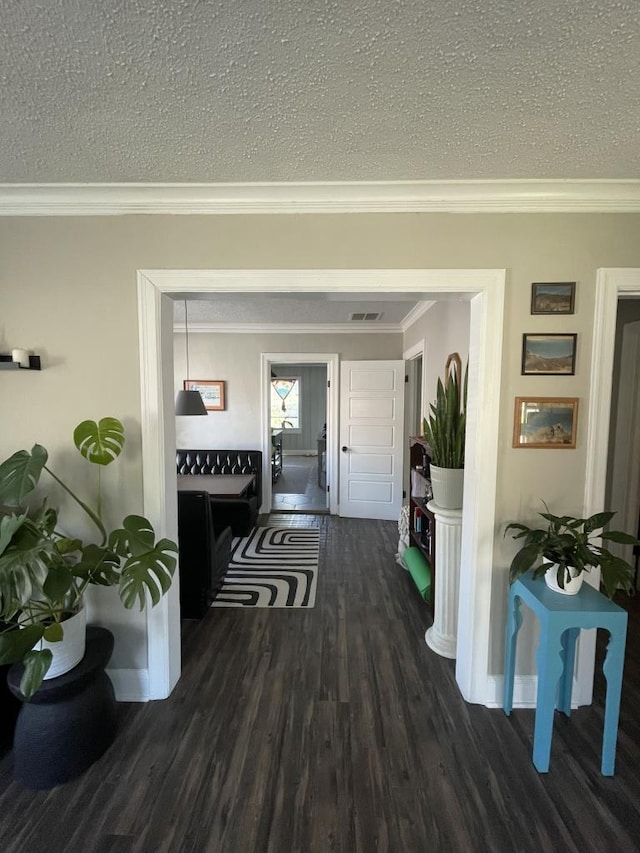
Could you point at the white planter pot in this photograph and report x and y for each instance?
(571, 586)
(447, 485)
(70, 650)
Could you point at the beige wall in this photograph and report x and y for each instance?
(236, 359)
(67, 291)
(444, 328)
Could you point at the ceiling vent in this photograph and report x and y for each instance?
(369, 316)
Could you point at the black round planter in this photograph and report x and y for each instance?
(69, 722)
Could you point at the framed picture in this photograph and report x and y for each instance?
(211, 391)
(548, 354)
(558, 298)
(549, 422)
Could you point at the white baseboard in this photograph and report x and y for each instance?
(525, 689)
(130, 685)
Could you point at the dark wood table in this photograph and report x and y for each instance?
(218, 485)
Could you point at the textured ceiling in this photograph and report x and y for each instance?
(288, 309)
(318, 90)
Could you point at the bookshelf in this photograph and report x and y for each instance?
(422, 525)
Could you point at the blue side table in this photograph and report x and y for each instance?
(561, 617)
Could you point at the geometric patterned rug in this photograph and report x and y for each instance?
(273, 567)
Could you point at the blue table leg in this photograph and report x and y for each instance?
(569, 638)
(612, 668)
(514, 621)
(550, 663)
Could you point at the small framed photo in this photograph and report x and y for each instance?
(548, 354)
(211, 391)
(558, 298)
(548, 422)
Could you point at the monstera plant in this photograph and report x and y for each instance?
(45, 572)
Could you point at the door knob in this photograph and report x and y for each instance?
(344, 448)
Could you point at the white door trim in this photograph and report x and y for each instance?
(411, 354)
(485, 289)
(332, 361)
(625, 475)
(611, 283)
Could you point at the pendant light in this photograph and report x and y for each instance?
(189, 402)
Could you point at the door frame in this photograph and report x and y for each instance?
(624, 477)
(332, 363)
(611, 284)
(417, 351)
(484, 288)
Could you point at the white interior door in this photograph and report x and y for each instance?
(371, 438)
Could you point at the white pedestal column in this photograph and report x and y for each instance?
(443, 634)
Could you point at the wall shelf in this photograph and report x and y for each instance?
(7, 363)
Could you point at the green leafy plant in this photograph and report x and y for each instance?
(45, 573)
(568, 542)
(444, 429)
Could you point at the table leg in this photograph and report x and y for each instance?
(569, 638)
(514, 621)
(550, 664)
(612, 668)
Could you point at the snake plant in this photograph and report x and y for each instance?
(444, 429)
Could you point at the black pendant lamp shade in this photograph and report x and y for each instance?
(189, 402)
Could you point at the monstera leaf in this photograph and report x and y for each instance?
(19, 474)
(16, 642)
(36, 665)
(151, 571)
(24, 564)
(148, 567)
(100, 442)
(98, 565)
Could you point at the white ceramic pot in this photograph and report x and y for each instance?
(70, 650)
(447, 485)
(571, 586)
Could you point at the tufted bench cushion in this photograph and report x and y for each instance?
(241, 514)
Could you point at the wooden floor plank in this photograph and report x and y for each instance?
(336, 728)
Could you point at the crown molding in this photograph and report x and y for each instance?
(416, 312)
(370, 328)
(508, 196)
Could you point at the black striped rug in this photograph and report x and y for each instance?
(273, 567)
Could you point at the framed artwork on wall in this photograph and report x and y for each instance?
(548, 354)
(553, 298)
(211, 391)
(545, 422)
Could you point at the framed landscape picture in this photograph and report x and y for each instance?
(211, 391)
(553, 298)
(547, 422)
(548, 354)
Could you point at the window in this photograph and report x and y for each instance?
(285, 402)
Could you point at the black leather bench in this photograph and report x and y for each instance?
(241, 514)
(205, 552)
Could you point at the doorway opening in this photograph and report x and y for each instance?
(298, 410)
(623, 463)
(483, 288)
(295, 447)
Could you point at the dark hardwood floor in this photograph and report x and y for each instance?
(336, 729)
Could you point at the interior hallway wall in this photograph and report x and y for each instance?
(236, 359)
(68, 292)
